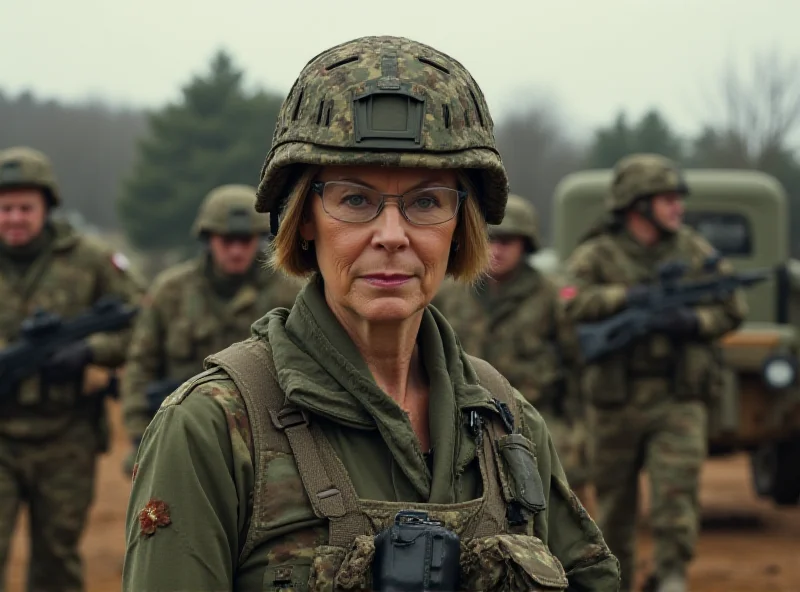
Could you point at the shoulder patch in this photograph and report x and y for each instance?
(188, 387)
(120, 261)
(568, 293)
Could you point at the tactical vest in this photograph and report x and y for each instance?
(499, 546)
(691, 370)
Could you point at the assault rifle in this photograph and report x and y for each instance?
(44, 333)
(158, 390)
(599, 339)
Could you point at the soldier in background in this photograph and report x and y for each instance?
(649, 401)
(514, 322)
(52, 430)
(201, 306)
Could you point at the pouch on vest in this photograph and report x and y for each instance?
(524, 486)
(291, 575)
(416, 554)
(606, 383)
(510, 563)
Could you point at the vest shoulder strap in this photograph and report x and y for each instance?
(277, 425)
(494, 382)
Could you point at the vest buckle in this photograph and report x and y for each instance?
(289, 417)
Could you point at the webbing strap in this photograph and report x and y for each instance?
(251, 367)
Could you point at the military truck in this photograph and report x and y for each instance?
(744, 214)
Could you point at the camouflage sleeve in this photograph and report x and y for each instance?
(568, 530)
(583, 296)
(115, 279)
(145, 357)
(191, 484)
(715, 320)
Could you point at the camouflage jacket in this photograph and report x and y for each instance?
(195, 459)
(603, 268)
(515, 326)
(183, 320)
(71, 273)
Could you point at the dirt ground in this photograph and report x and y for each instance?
(745, 544)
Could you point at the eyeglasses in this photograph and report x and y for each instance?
(350, 202)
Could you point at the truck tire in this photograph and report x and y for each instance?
(776, 471)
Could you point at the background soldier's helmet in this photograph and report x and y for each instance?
(22, 167)
(639, 176)
(385, 101)
(520, 220)
(228, 209)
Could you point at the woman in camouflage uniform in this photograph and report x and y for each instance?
(277, 467)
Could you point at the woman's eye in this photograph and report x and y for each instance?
(355, 200)
(425, 203)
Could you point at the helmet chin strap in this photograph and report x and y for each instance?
(644, 207)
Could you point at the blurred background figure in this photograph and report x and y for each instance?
(513, 321)
(201, 306)
(51, 428)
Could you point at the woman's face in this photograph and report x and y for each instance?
(384, 269)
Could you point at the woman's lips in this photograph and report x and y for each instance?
(384, 280)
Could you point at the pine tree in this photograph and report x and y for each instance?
(650, 134)
(218, 133)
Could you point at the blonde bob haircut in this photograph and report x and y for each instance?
(469, 259)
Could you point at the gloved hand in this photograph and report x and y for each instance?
(678, 322)
(637, 295)
(68, 363)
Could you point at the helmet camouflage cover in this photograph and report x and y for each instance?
(228, 209)
(520, 220)
(639, 176)
(386, 101)
(25, 167)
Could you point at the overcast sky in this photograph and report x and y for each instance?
(593, 57)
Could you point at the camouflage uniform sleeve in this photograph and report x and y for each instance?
(191, 485)
(583, 297)
(145, 357)
(715, 320)
(568, 530)
(115, 279)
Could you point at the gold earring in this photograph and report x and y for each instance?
(304, 244)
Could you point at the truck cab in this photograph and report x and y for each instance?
(744, 215)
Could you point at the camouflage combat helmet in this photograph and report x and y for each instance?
(228, 209)
(639, 176)
(386, 101)
(25, 167)
(520, 220)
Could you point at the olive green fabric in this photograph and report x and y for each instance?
(21, 166)
(196, 459)
(385, 101)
